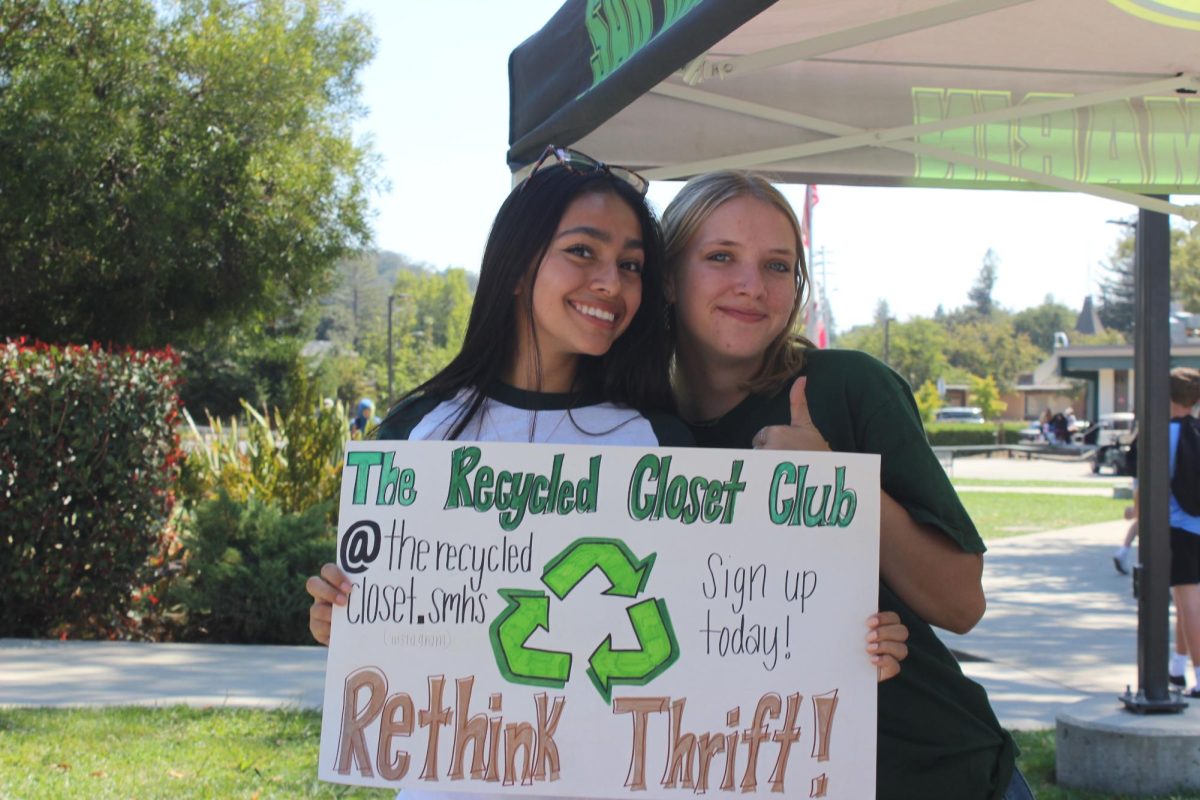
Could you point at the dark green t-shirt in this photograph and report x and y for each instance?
(938, 735)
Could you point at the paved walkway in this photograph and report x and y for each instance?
(1060, 627)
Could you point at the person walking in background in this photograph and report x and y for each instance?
(1185, 527)
(364, 418)
(1123, 553)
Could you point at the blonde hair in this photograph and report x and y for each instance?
(694, 204)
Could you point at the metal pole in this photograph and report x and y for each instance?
(886, 348)
(391, 371)
(1152, 362)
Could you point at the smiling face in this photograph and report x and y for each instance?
(586, 291)
(734, 285)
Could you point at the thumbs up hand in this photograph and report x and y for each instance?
(801, 434)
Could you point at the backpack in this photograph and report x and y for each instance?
(1185, 483)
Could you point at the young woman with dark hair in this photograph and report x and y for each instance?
(589, 329)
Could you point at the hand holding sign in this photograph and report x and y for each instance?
(801, 434)
(327, 589)
(886, 643)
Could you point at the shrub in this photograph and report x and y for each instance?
(291, 460)
(88, 458)
(247, 562)
(962, 434)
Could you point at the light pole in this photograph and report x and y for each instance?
(887, 322)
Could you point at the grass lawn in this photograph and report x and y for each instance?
(1000, 514)
(236, 753)
(172, 752)
(1098, 483)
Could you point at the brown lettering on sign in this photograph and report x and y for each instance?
(352, 743)
(471, 731)
(393, 769)
(434, 716)
(640, 708)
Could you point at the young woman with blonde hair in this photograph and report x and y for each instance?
(736, 279)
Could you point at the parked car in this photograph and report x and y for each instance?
(959, 414)
(1112, 434)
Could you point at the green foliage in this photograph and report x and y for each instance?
(88, 459)
(916, 349)
(257, 366)
(1118, 292)
(429, 318)
(1040, 323)
(246, 565)
(992, 347)
(1185, 267)
(986, 396)
(170, 166)
(980, 294)
(290, 459)
(928, 401)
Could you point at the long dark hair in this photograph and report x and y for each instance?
(634, 371)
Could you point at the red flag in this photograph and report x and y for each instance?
(814, 321)
(810, 200)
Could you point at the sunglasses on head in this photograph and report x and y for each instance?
(582, 164)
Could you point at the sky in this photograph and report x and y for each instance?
(436, 98)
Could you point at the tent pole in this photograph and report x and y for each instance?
(1152, 362)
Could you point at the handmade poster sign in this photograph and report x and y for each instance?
(604, 622)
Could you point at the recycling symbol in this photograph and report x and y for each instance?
(529, 609)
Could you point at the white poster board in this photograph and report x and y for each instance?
(606, 622)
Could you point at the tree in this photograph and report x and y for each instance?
(1185, 267)
(986, 395)
(980, 294)
(928, 401)
(992, 347)
(1040, 323)
(169, 166)
(1118, 292)
(916, 348)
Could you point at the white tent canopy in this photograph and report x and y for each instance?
(1077, 95)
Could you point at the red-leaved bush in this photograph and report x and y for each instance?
(88, 459)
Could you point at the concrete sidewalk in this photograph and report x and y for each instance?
(1060, 627)
(1061, 624)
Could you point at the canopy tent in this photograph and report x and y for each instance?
(1076, 95)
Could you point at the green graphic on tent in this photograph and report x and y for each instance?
(529, 609)
(1175, 13)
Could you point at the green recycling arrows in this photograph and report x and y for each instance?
(626, 575)
(658, 650)
(526, 612)
(529, 610)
